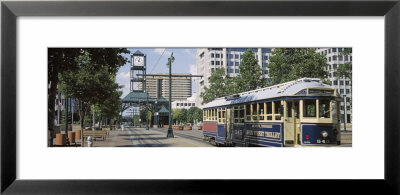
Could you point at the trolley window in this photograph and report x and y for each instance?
(261, 111)
(241, 113)
(238, 114)
(248, 113)
(309, 108)
(324, 110)
(289, 109)
(254, 111)
(278, 110)
(296, 109)
(269, 111)
(221, 115)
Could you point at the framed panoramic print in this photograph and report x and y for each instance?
(197, 97)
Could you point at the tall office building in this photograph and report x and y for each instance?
(158, 86)
(343, 85)
(209, 59)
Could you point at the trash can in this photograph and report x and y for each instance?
(60, 139)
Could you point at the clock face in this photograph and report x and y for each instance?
(138, 60)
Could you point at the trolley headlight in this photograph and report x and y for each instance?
(324, 134)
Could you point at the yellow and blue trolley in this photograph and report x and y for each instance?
(298, 113)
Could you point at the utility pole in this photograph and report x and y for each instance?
(169, 65)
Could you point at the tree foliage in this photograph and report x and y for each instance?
(219, 86)
(65, 63)
(287, 64)
(250, 73)
(194, 113)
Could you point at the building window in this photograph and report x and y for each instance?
(265, 71)
(202, 55)
(334, 58)
(236, 56)
(212, 55)
(346, 58)
(347, 91)
(212, 62)
(230, 70)
(334, 82)
(340, 49)
(265, 57)
(341, 58)
(347, 82)
(333, 49)
(341, 82)
(217, 55)
(341, 91)
(351, 58)
(334, 74)
(341, 107)
(236, 70)
(334, 66)
(329, 59)
(185, 104)
(230, 63)
(212, 70)
(222, 62)
(217, 62)
(236, 63)
(193, 104)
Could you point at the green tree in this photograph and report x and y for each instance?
(219, 86)
(250, 73)
(345, 70)
(64, 63)
(182, 118)
(287, 64)
(194, 113)
(175, 114)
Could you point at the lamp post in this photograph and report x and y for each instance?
(155, 114)
(344, 112)
(169, 65)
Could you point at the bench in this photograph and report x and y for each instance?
(95, 134)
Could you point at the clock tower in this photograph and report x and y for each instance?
(138, 67)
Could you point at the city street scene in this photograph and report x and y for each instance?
(200, 97)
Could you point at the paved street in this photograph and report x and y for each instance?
(140, 137)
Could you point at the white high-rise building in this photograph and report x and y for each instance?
(343, 85)
(209, 59)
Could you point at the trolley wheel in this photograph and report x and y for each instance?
(212, 142)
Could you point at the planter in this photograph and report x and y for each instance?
(60, 139)
(188, 127)
(78, 134)
(199, 127)
(71, 137)
(180, 127)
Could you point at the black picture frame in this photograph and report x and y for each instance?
(10, 10)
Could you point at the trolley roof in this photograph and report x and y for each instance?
(284, 89)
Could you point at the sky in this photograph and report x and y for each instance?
(156, 60)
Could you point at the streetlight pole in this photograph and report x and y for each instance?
(344, 112)
(169, 64)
